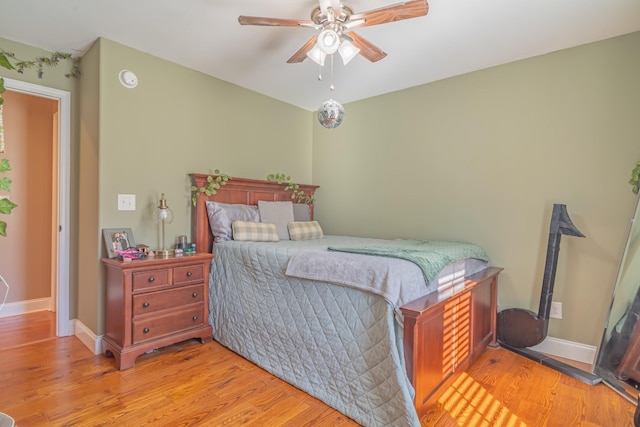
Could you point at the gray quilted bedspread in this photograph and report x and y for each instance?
(337, 343)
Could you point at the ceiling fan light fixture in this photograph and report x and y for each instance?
(347, 51)
(317, 56)
(328, 41)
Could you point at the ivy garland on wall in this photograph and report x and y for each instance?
(40, 62)
(6, 205)
(298, 195)
(635, 178)
(214, 184)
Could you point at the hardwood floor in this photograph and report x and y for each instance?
(59, 382)
(27, 328)
(505, 389)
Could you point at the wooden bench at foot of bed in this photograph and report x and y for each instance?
(444, 332)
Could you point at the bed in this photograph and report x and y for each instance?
(375, 353)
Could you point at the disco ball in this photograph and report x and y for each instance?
(330, 114)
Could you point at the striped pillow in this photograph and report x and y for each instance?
(254, 231)
(305, 230)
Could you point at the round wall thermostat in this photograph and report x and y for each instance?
(128, 79)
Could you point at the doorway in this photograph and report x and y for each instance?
(59, 205)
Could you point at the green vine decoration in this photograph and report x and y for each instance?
(635, 177)
(6, 205)
(218, 179)
(4, 63)
(296, 193)
(213, 184)
(40, 62)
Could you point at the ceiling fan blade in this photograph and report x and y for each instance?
(275, 22)
(394, 12)
(301, 54)
(367, 49)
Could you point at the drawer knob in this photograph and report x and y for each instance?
(189, 274)
(152, 279)
(195, 318)
(195, 295)
(145, 304)
(145, 331)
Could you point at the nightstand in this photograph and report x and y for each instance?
(155, 302)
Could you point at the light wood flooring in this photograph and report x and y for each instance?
(59, 382)
(27, 329)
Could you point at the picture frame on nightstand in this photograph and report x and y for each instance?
(117, 239)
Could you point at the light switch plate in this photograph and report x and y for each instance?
(126, 202)
(556, 310)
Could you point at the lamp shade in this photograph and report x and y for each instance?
(163, 212)
(328, 41)
(330, 114)
(163, 215)
(347, 51)
(317, 56)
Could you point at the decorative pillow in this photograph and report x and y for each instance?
(278, 213)
(254, 231)
(301, 212)
(305, 230)
(221, 215)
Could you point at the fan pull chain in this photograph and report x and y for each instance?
(331, 87)
(320, 73)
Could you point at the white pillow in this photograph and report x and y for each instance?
(278, 213)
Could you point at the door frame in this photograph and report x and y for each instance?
(64, 325)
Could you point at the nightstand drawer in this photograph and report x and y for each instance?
(173, 321)
(188, 274)
(151, 278)
(161, 300)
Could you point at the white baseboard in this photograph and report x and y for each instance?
(88, 337)
(22, 307)
(583, 353)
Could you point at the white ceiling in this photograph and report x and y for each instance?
(456, 37)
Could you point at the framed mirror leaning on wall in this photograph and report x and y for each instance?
(618, 360)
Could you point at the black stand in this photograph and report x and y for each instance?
(572, 371)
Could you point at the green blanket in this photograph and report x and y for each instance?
(430, 256)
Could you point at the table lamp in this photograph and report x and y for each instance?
(163, 215)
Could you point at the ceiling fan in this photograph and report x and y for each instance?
(335, 22)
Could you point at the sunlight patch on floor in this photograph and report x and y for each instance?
(471, 405)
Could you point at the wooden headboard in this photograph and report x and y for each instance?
(238, 191)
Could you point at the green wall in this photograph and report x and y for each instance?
(175, 122)
(484, 156)
(178, 121)
(479, 157)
